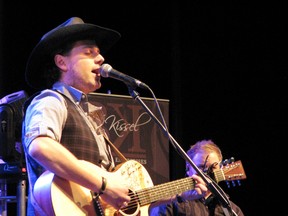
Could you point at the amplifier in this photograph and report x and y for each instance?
(11, 170)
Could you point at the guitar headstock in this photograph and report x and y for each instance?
(231, 171)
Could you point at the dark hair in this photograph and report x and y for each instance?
(52, 72)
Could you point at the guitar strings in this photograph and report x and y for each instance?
(154, 193)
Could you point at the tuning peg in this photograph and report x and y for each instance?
(228, 184)
(225, 162)
(232, 160)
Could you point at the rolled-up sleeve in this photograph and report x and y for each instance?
(45, 116)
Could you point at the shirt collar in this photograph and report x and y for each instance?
(71, 92)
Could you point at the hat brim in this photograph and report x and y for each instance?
(34, 74)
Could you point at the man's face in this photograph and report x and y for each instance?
(203, 161)
(80, 68)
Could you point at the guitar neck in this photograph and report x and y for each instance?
(229, 172)
(151, 194)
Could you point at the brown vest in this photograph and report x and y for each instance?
(78, 137)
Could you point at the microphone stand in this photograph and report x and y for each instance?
(215, 190)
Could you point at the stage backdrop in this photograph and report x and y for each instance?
(132, 130)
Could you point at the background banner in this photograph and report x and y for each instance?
(133, 131)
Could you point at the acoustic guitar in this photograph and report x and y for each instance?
(59, 197)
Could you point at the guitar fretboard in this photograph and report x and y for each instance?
(151, 194)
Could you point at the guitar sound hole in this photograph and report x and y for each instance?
(130, 209)
(133, 205)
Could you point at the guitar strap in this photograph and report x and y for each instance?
(120, 155)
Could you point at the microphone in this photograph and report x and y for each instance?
(107, 71)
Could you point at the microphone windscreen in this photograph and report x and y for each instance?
(105, 70)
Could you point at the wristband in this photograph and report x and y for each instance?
(103, 186)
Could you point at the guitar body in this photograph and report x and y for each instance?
(59, 197)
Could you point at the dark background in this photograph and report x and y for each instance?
(223, 66)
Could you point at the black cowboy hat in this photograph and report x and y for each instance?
(72, 30)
